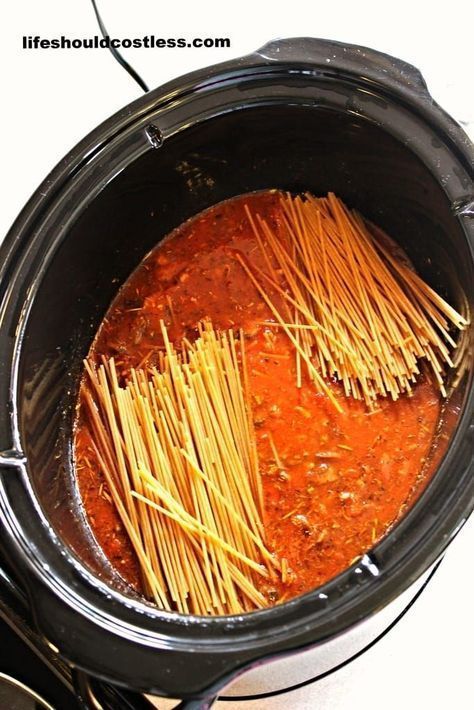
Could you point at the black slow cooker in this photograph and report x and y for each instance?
(299, 114)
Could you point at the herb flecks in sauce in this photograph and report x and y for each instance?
(334, 482)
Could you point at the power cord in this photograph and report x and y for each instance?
(116, 54)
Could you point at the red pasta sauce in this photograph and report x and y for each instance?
(339, 480)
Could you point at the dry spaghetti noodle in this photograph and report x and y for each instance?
(359, 313)
(177, 449)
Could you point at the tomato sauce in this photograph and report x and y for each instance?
(334, 482)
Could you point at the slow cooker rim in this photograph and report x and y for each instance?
(412, 91)
(73, 163)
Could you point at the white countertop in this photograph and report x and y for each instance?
(52, 98)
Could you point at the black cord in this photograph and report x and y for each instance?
(116, 54)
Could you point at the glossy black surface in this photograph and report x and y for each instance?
(362, 125)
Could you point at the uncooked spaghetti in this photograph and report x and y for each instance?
(359, 313)
(177, 449)
(228, 467)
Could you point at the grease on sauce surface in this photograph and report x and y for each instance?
(334, 482)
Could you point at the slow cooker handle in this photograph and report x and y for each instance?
(93, 696)
(103, 696)
(337, 58)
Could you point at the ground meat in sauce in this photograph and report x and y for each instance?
(341, 479)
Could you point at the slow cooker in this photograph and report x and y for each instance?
(299, 114)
